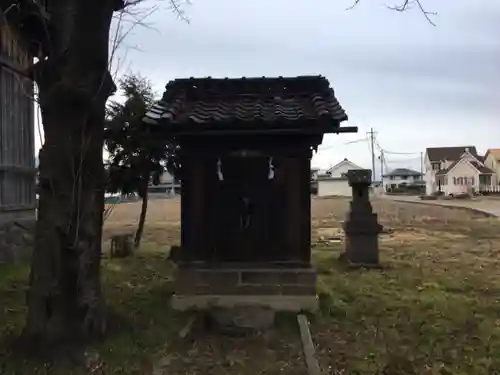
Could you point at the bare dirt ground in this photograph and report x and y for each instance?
(163, 218)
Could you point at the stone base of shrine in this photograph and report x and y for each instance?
(281, 289)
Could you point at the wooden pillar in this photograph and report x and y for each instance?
(304, 191)
(292, 211)
(192, 209)
(210, 196)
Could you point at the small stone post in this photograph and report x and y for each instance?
(121, 246)
(361, 227)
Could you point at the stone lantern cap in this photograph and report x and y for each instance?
(359, 177)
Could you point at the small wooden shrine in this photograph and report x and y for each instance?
(246, 146)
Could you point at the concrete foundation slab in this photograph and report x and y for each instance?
(278, 288)
(276, 303)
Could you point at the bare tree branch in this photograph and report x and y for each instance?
(408, 4)
(176, 6)
(121, 32)
(404, 6)
(353, 5)
(134, 14)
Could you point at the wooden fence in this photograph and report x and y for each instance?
(489, 189)
(17, 162)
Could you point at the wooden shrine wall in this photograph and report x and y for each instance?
(283, 213)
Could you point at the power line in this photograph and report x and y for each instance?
(394, 153)
(356, 141)
(374, 144)
(401, 153)
(345, 143)
(414, 159)
(402, 164)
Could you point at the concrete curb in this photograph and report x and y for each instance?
(308, 346)
(473, 209)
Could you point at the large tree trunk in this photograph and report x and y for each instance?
(142, 217)
(65, 303)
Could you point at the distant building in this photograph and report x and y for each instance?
(168, 186)
(401, 177)
(334, 181)
(314, 173)
(492, 161)
(456, 170)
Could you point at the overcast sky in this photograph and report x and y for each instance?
(415, 84)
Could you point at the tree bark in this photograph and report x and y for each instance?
(65, 303)
(142, 218)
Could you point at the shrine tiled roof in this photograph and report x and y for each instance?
(246, 101)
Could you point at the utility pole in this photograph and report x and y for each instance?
(371, 133)
(381, 165)
(421, 162)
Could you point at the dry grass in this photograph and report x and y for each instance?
(433, 308)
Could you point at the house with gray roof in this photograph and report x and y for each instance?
(401, 177)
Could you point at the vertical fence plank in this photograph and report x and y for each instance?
(17, 174)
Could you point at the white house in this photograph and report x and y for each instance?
(167, 178)
(334, 181)
(168, 186)
(401, 176)
(439, 159)
(492, 161)
(314, 173)
(456, 170)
